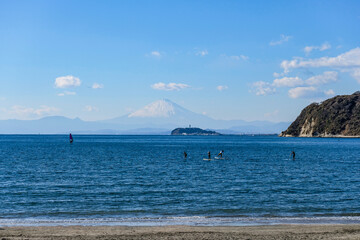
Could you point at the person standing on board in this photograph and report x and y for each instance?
(185, 155)
(209, 155)
(293, 155)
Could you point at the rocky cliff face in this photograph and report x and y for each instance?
(336, 117)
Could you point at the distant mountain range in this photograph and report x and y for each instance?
(159, 117)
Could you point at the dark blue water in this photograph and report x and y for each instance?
(144, 180)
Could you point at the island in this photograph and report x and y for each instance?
(193, 132)
(335, 117)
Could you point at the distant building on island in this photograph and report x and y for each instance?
(193, 132)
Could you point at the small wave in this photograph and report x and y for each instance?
(182, 220)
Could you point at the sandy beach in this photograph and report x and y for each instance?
(184, 232)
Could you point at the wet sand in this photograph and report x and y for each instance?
(276, 232)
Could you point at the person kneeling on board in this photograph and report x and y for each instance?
(221, 153)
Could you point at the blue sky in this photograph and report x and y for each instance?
(250, 60)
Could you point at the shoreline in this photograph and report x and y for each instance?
(296, 231)
(318, 136)
(206, 221)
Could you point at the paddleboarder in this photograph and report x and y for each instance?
(293, 155)
(221, 153)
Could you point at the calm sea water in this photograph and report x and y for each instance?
(144, 180)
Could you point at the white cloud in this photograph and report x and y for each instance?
(283, 38)
(67, 81)
(66, 93)
(302, 92)
(329, 92)
(309, 92)
(89, 108)
(234, 58)
(240, 57)
(323, 47)
(355, 73)
(350, 59)
(288, 82)
(97, 86)
(307, 86)
(202, 53)
(26, 112)
(263, 88)
(155, 54)
(221, 88)
(308, 49)
(324, 78)
(169, 86)
(276, 75)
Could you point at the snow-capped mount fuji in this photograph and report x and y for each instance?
(161, 108)
(163, 114)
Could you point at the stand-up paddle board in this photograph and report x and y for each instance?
(219, 158)
(207, 159)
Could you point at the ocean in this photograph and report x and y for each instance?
(145, 180)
